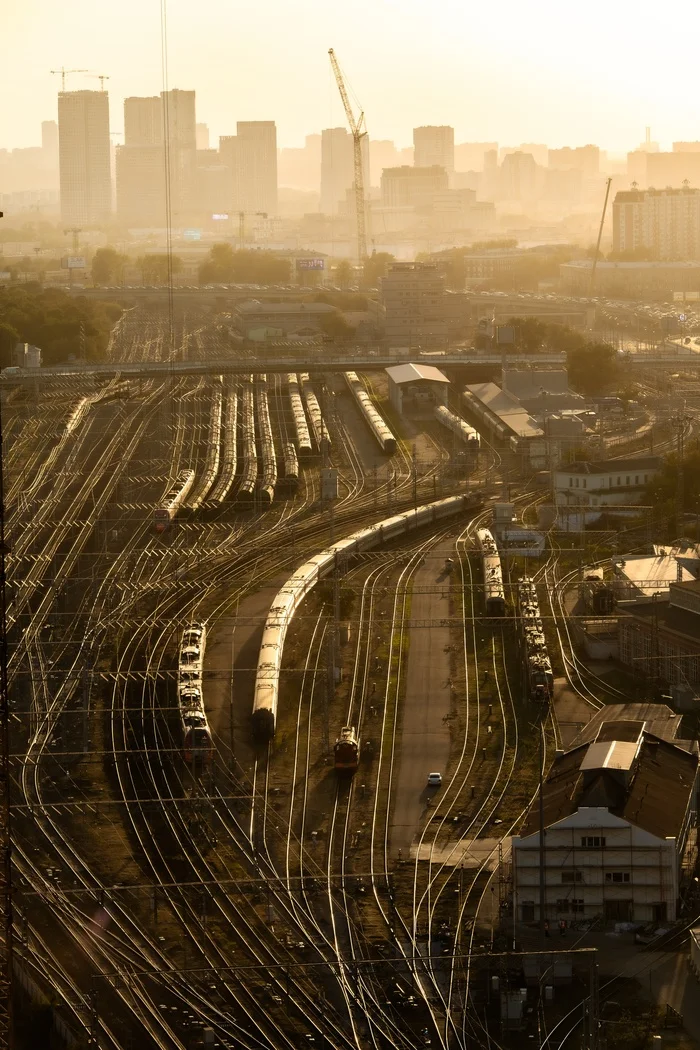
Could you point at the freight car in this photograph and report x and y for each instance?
(537, 665)
(211, 465)
(380, 429)
(291, 468)
(249, 476)
(457, 425)
(494, 594)
(228, 450)
(176, 495)
(346, 751)
(305, 578)
(268, 480)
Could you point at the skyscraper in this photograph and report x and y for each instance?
(84, 157)
(434, 145)
(338, 169)
(143, 121)
(255, 171)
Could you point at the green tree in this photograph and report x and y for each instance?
(593, 368)
(335, 328)
(58, 323)
(156, 268)
(530, 333)
(226, 266)
(343, 274)
(375, 266)
(9, 337)
(107, 265)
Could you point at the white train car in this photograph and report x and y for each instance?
(537, 664)
(268, 480)
(375, 421)
(173, 500)
(249, 475)
(458, 426)
(301, 427)
(494, 593)
(228, 450)
(211, 465)
(305, 578)
(318, 424)
(197, 745)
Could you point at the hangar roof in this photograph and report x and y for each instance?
(412, 373)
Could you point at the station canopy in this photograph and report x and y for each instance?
(414, 373)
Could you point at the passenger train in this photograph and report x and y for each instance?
(468, 434)
(375, 421)
(175, 497)
(197, 746)
(287, 600)
(494, 593)
(268, 481)
(536, 662)
(318, 424)
(301, 427)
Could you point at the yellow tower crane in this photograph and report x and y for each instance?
(64, 73)
(359, 132)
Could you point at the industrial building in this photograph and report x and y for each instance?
(502, 416)
(619, 821)
(415, 390)
(659, 637)
(260, 321)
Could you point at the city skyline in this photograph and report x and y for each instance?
(573, 84)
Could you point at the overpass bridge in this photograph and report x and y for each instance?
(239, 365)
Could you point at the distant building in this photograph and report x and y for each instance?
(469, 156)
(583, 158)
(634, 280)
(415, 390)
(140, 177)
(407, 187)
(290, 319)
(518, 177)
(143, 121)
(337, 168)
(255, 172)
(434, 145)
(659, 636)
(84, 157)
(202, 136)
(619, 814)
(413, 297)
(604, 483)
(49, 143)
(665, 223)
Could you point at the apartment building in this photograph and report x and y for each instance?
(84, 157)
(665, 223)
(434, 145)
(413, 298)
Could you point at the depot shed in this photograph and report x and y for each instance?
(415, 390)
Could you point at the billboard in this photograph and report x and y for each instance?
(74, 262)
(192, 235)
(220, 216)
(310, 264)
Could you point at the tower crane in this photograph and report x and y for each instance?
(359, 132)
(101, 77)
(64, 73)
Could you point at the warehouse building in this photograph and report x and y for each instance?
(659, 636)
(415, 390)
(619, 820)
(502, 417)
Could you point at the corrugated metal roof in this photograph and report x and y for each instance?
(412, 373)
(507, 408)
(609, 754)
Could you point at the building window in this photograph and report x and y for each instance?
(592, 841)
(627, 480)
(576, 905)
(617, 876)
(571, 483)
(563, 905)
(618, 481)
(584, 483)
(570, 875)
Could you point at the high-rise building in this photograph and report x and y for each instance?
(469, 156)
(300, 169)
(202, 136)
(585, 159)
(180, 126)
(337, 168)
(434, 145)
(140, 172)
(413, 296)
(256, 166)
(665, 224)
(518, 177)
(407, 187)
(143, 121)
(84, 157)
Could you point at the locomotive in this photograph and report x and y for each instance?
(346, 751)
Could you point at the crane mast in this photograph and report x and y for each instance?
(359, 132)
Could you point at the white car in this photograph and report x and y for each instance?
(434, 779)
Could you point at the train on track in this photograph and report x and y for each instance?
(318, 424)
(197, 745)
(291, 468)
(173, 500)
(228, 450)
(346, 751)
(268, 480)
(494, 592)
(249, 475)
(375, 421)
(301, 427)
(288, 598)
(536, 662)
(459, 426)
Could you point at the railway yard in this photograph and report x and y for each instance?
(227, 694)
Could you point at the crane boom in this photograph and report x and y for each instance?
(359, 132)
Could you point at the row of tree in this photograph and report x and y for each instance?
(58, 323)
(592, 365)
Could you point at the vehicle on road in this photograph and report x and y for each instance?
(434, 779)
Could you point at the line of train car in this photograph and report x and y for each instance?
(288, 598)
(268, 480)
(211, 465)
(301, 427)
(173, 500)
(249, 474)
(375, 421)
(228, 450)
(291, 468)
(197, 745)
(318, 424)
(459, 426)
(494, 593)
(346, 751)
(536, 662)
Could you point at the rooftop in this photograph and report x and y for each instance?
(412, 373)
(253, 306)
(654, 795)
(611, 466)
(628, 721)
(507, 408)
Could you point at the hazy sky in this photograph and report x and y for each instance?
(511, 71)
